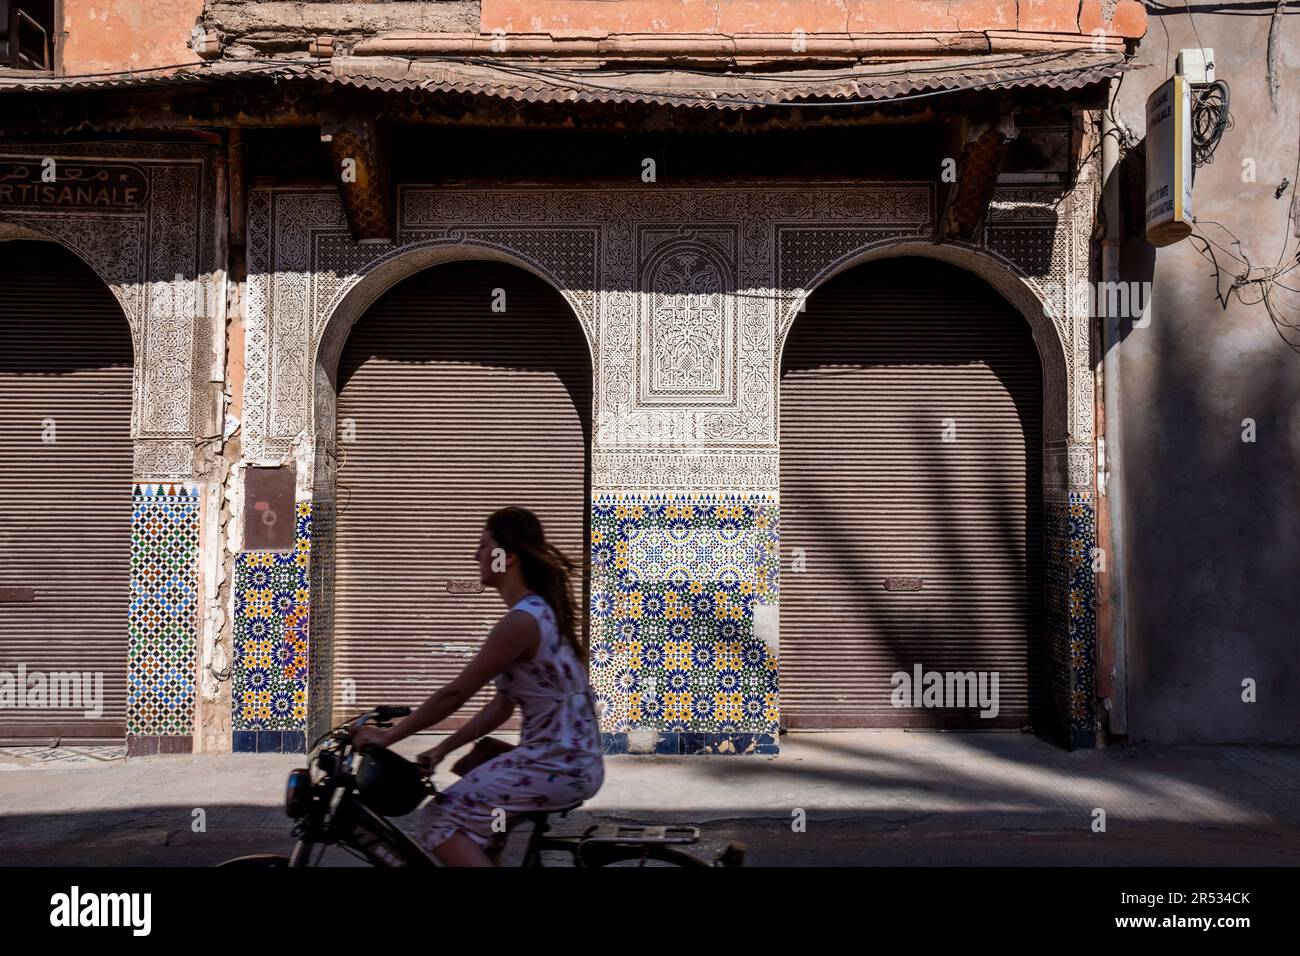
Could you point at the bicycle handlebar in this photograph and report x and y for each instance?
(381, 715)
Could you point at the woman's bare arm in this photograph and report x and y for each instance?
(514, 635)
(494, 713)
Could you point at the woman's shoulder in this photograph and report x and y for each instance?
(535, 605)
(538, 610)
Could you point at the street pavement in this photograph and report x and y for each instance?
(884, 798)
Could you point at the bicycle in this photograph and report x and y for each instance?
(337, 806)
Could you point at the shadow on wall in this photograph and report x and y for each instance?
(1212, 517)
(463, 388)
(885, 353)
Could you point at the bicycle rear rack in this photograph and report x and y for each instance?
(635, 833)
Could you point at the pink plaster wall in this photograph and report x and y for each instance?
(811, 16)
(103, 36)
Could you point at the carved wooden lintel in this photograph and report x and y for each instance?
(964, 202)
(360, 168)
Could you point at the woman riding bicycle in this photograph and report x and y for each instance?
(538, 663)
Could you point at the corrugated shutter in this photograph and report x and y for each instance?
(457, 411)
(872, 493)
(65, 506)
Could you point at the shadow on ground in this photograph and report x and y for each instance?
(886, 798)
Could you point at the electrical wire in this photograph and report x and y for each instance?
(1161, 21)
(541, 72)
(268, 65)
(575, 78)
(1243, 8)
(550, 76)
(1208, 254)
(1192, 20)
(1265, 284)
(940, 66)
(55, 80)
(1235, 240)
(1210, 119)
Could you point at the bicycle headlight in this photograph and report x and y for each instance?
(297, 793)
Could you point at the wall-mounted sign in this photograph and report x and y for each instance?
(65, 184)
(464, 586)
(903, 582)
(1169, 163)
(270, 521)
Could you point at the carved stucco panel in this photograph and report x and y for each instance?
(160, 262)
(679, 402)
(258, 306)
(687, 326)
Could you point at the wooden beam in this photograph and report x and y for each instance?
(360, 165)
(979, 150)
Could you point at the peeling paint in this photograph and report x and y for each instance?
(767, 626)
(458, 648)
(642, 741)
(302, 453)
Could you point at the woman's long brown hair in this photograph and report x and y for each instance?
(545, 568)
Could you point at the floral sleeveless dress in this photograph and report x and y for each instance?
(558, 761)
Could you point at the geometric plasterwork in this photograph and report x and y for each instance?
(686, 323)
(685, 296)
(159, 256)
(1046, 238)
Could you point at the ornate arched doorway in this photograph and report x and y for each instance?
(65, 498)
(461, 389)
(911, 460)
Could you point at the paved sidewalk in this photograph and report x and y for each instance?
(869, 798)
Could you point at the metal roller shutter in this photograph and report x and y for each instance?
(65, 506)
(884, 354)
(457, 411)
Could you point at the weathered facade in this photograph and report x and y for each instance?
(332, 209)
(1205, 401)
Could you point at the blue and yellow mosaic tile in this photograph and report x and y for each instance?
(1071, 616)
(163, 613)
(320, 665)
(675, 580)
(269, 676)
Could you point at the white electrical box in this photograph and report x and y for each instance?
(1196, 65)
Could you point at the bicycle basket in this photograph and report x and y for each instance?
(388, 783)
